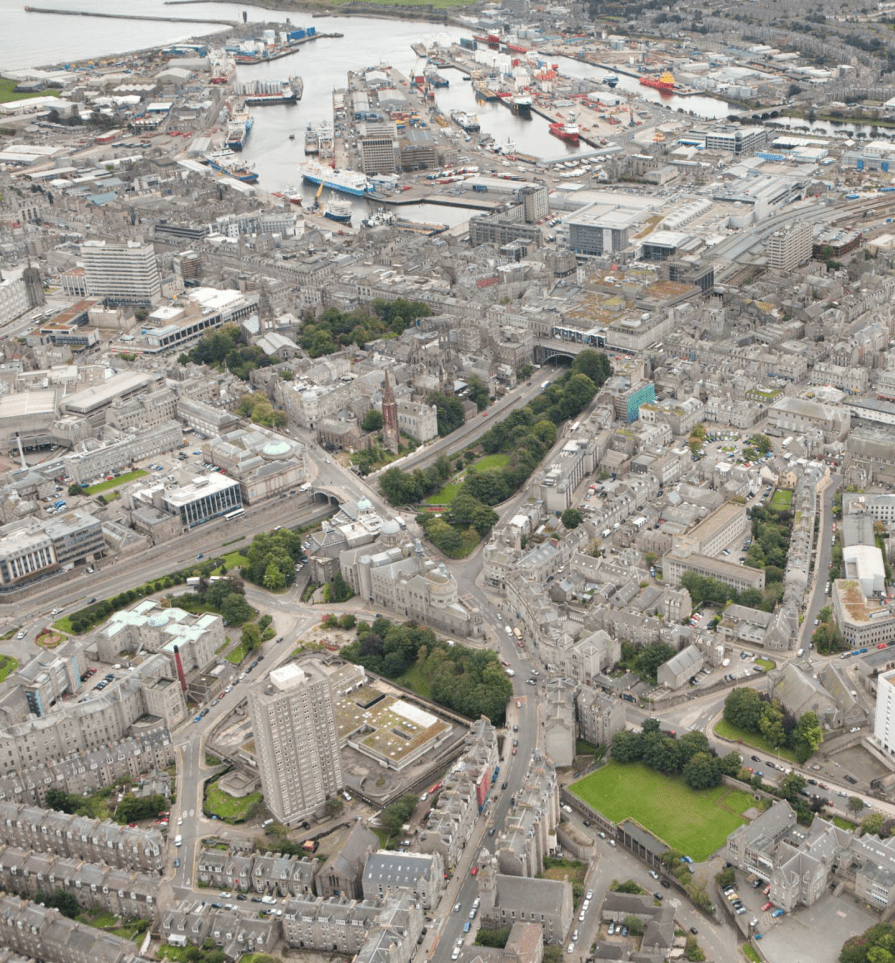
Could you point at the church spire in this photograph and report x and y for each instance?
(391, 435)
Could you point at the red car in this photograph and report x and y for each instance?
(475, 871)
(766, 907)
(514, 750)
(132, 825)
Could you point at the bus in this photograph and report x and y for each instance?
(234, 514)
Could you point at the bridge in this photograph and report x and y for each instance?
(555, 351)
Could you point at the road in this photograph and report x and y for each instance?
(823, 554)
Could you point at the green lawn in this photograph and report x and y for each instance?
(491, 461)
(7, 665)
(237, 655)
(115, 482)
(414, 679)
(781, 500)
(766, 664)
(234, 559)
(754, 739)
(693, 822)
(843, 823)
(7, 90)
(227, 807)
(446, 495)
(750, 953)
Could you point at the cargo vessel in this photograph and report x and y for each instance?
(521, 105)
(260, 93)
(664, 83)
(567, 130)
(312, 141)
(484, 91)
(468, 122)
(343, 181)
(224, 162)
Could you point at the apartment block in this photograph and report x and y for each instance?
(87, 771)
(122, 273)
(40, 933)
(128, 894)
(865, 621)
(296, 740)
(271, 873)
(529, 830)
(790, 246)
(34, 549)
(236, 931)
(464, 789)
(599, 716)
(884, 718)
(419, 875)
(80, 837)
(741, 577)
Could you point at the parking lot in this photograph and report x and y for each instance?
(815, 934)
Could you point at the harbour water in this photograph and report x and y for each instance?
(367, 42)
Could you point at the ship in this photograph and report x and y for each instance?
(382, 218)
(521, 105)
(337, 210)
(484, 91)
(567, 130)
(238, 131)
(468, 122)
(293, 195)
(492, 39)
(312, 141)
(261, 93)
(436, 79)
(664, 83)
(343, 181)
(228, 165)
(611, 81)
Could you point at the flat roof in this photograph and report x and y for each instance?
(123, 383)
(24, 403)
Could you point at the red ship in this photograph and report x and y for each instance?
(492, 39)
(664, 83)
(567, 131)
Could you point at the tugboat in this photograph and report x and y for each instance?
(381, 218)
(611, 81)
(569, 130)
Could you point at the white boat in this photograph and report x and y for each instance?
(345, 182)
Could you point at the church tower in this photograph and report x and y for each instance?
(391, 436)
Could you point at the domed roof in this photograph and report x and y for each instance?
(276, 449)
(364, 505)
(389, 527)
(158, 620)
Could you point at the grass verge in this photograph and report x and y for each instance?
(7, 665)
(237, 655)
(657, 802)
(754, 739)
(234, 560)
(446, 495)
(115, 482)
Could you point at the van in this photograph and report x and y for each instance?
(266, 823)
(800, 653)
(178, 840)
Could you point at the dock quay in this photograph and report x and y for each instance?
(128, 16)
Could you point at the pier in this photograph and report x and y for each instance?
(128, 16)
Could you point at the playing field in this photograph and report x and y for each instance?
(696, 823)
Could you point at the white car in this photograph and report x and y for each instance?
(589, 895)
(180, 821)
(456, 953)
(570, 948)
(855, 729)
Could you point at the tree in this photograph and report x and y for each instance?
(372, 420)
(274, 580)
(76, 489)
(760, 442)
(594, 364)
(742, 708)
(60, 900)
(662, 753)
(701, 772)
(806, 737)
(872, 824)
(627, 746)
(334, 806)
(651, 726)
(791, 786)
(251, 638)
(855, 804)
(496, 938)
(634, 924)
(650, 657)
(571, 518)
(478, 392)
(770, 723)
(692, 743)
